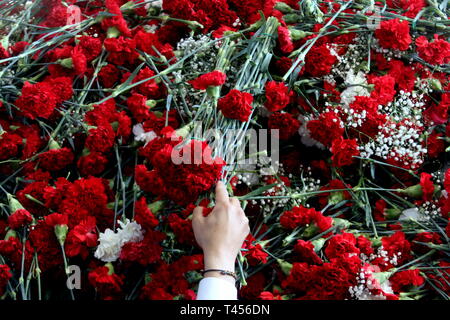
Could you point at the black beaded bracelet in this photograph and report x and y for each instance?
(222, 272)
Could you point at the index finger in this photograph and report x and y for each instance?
(221, 193)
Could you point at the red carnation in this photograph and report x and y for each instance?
(384, 91)
(405, 76)
(4, 54)
(343, 151)
(285, 123)
(9, 145)
(364, 245)
(100, 139)
(397, 245)
(106, 282)
(192, 168)
(146, 251)
(236, 105)
(61, 87)
(149, 88)
(137, 103)
(92, 164)
(427, 186)
(412, 7)
(401, 280)
(306, 253)
(284, 39)
(326, 128)
(109, 75)
(212, 79)
(19, 219)
(121, 50)
(394, 34)
(82, 237)
(19, 47)
(144, 216)
(182, 229)
(5, 275)
(277, 96)
(435, 52)
(56, 159)
(256, 255)
(37, 100)
(341, 245)
(319, 61)
(117, 21)
(79, 61)
(56, 219)
(90, 46)
(435, 144)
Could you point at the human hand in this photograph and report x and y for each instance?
(222, 233)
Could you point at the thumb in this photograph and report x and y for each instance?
(197, 214)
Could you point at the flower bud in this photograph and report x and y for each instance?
(112, 32)
(61, 233)
(283, 7)
(341, 224)
(298, 34)
(286, 267)
(310, 231)
(318, 244)
(156, 206)
(184, 131)
(53, 145)
(10, 234)
(435, 84)
(393, 213)
(110, 267)
(127, 6)
(66, 63)
(213, 92)
(416, 191)
(255, 26)
(151, 103)
(292, 18)
(382, 277)
(14, 204)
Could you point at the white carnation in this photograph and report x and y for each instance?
(130, 231)
(110, 245)
(411, 214)
(304, 133)
(355, 87)
(141, 135)
(111, 242)
(154, 3)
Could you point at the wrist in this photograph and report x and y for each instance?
(222, 262)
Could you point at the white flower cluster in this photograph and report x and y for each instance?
(427, 211)
(305, 184)
(383, 254)
(203, 61)
(388, 53)
(401, 142)
(367, 282)
(406, 105)
(205, 58)
(111, 242)
(350, 61)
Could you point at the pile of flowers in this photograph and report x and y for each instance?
(109, 111)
